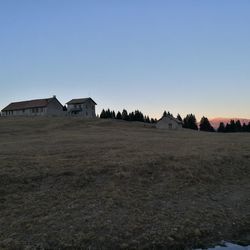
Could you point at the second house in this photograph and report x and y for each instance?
(84, 107)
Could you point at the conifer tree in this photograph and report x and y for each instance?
(248, 127)
(228, 128)
(103, 114)
(232, 126)
(113, 114)
(125, 115)
(131, 116)
(205, 125)
(108, 114)
(170, 114)
(190, 122)
(119, 115)
(179, 117)
(221, 128)
(238, 126)
(244, 127)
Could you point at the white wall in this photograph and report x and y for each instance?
(88, 109)
(54, 108)
(168, 123)
(26, 112)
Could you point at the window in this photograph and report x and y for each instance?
(35, 110)
(86, 113)
(23, 110)
(170, 125)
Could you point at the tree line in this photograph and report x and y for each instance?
(234, 126)
(189, 122)
(124, 115)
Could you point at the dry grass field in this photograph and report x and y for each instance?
(101, 184)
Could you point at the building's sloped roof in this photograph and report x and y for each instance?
(81, 100)
(38, 103)
(172, 118)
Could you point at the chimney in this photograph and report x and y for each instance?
(54, 96)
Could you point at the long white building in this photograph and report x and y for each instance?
(38, 107)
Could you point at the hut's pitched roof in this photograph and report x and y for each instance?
(81, 100)
(38, 103)
(170, 117)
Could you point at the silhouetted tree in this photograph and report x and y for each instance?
(133, 116)
(248, 127)
(221, 128)
(103, 114)
(190, 122)
(238, 126)
(232, 126)
(119, 115)
(147, 119)
(108, 113)
(113, 115)
(125, 115)
(245, 127)
(179, 117)
(205, 125)
(228, 128)
(138, 116)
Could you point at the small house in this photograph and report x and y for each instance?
(84, 107)
(169, 122)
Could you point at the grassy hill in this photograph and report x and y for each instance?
(80, 184)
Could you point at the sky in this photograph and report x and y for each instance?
(183, 56)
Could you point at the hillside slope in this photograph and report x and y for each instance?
(75, 184)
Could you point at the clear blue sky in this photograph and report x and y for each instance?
(183, 56)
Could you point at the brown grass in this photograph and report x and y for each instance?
(81, 184)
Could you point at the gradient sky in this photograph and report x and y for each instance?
(153, 55)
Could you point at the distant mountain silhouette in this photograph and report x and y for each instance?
(215, 122)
